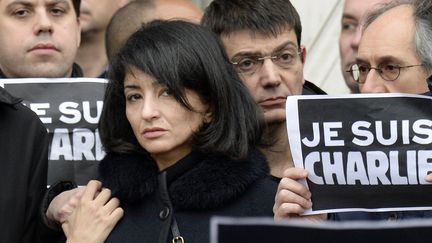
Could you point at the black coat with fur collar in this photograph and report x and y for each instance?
(199, 186)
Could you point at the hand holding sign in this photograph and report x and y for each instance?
(363, 152)
(292, 197)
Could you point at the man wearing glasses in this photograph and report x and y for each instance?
(395, 52)
(263, 42)
(395, 55)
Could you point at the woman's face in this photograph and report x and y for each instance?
(161, 125)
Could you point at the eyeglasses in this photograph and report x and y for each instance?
(387, 72)
(250, 64)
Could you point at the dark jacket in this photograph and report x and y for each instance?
(190, 192)
(429, 82)
(311, 89)
(45, 232)
(395, 215)
(23, 164)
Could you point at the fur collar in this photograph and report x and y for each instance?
(209, 182)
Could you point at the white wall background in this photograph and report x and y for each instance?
(202, 3)
(321, 28)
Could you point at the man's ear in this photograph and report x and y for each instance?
(303, 53)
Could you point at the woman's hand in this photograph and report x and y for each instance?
(94, 217)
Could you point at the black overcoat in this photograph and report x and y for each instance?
(23, 168)
(198, 187)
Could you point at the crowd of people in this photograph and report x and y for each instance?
(194, 118)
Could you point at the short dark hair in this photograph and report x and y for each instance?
(182, 55)
(125, 22)
(269, 16)
(76, 5)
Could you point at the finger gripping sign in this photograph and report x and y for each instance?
(363, 152)
(70, 108)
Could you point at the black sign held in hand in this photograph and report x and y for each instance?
(70, 108)
(363, 152)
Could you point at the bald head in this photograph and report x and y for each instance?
(177, 9)
(131, 17)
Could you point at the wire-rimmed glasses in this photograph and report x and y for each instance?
(387, 72)
(252, 63)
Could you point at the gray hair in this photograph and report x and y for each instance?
(423, 35)
(423, 21)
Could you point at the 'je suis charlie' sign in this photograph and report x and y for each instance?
(363, 152)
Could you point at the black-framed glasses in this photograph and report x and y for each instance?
(250, 64)
(387, 72)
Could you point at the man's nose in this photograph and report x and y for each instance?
(44, 23)
(355, 41)
(270, 74)
(373, 83)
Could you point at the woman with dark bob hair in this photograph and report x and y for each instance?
(180, 131)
